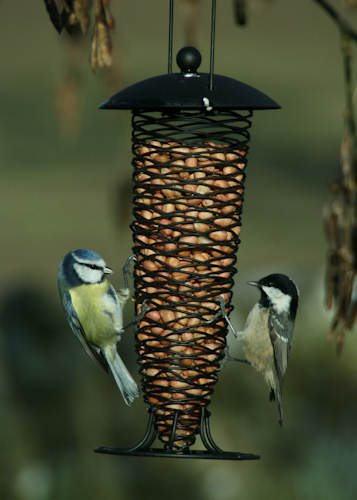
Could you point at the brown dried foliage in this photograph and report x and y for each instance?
(74, 16)
(68, 98)
(101, 54)
(340, 219)
(350, 3)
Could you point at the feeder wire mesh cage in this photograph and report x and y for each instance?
(189, 149)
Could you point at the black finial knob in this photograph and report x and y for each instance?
(188, 59)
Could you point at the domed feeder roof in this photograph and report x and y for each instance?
(187, 90)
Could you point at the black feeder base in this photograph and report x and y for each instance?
(212, 451)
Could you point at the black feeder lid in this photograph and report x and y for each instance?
(187, 90)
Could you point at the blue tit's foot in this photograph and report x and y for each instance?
(144, 310)
(126, 270)
(139, 317)
(123, 295)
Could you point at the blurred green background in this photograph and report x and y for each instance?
(59, 192)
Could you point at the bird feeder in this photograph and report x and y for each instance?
(190, 139)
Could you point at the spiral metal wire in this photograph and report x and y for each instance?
(189, 172)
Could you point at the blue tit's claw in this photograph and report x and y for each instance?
(126, 270)
(144, 310)
(123, 295)
(139, 317)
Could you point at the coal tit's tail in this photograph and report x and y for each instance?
(275, 394)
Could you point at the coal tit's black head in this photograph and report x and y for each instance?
(280, 292)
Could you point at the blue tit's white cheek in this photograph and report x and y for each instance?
(279, 300)
(88, 275)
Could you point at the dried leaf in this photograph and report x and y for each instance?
(347, 161)
(69, 90)
(58, 15)
(81, 10)
(340, 220)
(67, 106)
(104, 45)
(353, 308)
(340, 342)
(101, 55)
(94, 58)
(107, 15)
(240, 12)
(192, 15)
(350, 3)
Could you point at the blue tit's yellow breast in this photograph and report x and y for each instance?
(88, 303)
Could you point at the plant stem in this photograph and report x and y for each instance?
(342, 23)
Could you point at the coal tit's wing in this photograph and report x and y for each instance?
(73, 320)
(281, 333)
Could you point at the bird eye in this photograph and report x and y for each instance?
(93, 266)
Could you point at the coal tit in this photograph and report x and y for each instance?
(267, 335)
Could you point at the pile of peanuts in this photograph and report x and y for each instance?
(188, 202)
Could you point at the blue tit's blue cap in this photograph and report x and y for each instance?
(86, 254)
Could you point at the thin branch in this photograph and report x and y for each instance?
(344, 26)
(347, 66)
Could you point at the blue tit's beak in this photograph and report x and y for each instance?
(253, 283)
(107, 270)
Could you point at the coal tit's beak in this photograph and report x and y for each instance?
(253, 283)
(107, 270)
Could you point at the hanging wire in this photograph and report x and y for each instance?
(171, 28)
(213, 35)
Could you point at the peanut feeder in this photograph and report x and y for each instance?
(190, 147)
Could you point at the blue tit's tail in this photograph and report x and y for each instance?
(124, 380)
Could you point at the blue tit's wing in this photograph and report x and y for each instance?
(73, 320)
(281, 333)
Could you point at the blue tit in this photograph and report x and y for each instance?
(267, 336)
(94, 312)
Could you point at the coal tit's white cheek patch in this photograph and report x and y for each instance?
(279, 300)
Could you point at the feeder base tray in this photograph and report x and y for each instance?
(144, 449)
(160, 453)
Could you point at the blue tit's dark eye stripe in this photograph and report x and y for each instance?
(93, 266)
